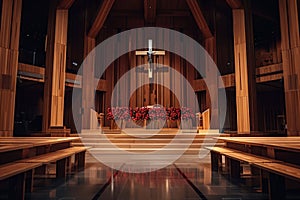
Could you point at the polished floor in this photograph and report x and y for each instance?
(187, 178)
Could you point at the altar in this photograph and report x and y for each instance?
(155, 117)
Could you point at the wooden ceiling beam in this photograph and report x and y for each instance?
(199, 18)
(65, 4)
(100, 18)
(149, 11)
(235, 4)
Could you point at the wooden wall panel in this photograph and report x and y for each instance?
(167, 81)
(9, 43)
(289, 25)
(6, 21)
(132, 62)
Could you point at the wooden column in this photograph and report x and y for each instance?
(290, 45)
(54, 88)
(251, 67)
(212, 80)
(241, 72)
(88, 81)
(9, 51)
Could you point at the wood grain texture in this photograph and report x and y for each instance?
(59, 68)
(228, 80)
(290, 59)
(9, 45)
(6, 21)
(241, 72)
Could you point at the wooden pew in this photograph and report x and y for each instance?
(234, 158)
(62, 160)
(20, 158)
(277, 170)
(18, 178)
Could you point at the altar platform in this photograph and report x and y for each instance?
(109, 141)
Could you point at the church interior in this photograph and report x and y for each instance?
(170, 99)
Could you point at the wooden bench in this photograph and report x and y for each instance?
(62, 160)
(277, 170)
(234, 158)
(275, 181)
(17, 177)
(79, 152)
(216, 157)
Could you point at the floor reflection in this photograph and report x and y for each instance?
(100, 182)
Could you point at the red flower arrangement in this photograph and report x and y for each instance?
(173, 113)
(140, 114)
(144, 113)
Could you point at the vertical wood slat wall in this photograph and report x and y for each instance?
(9, 45)
(290, 45)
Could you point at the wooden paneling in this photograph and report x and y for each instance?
(241, 72)
(7, 10)
(269, 69)
(9, 44)
(289, 25)
(265, 73)
(271, 77)
(31, 69)
(73, 80)
(228, 80)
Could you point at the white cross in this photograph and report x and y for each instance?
(149, 53)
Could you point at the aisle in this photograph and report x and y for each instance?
(166, 183)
